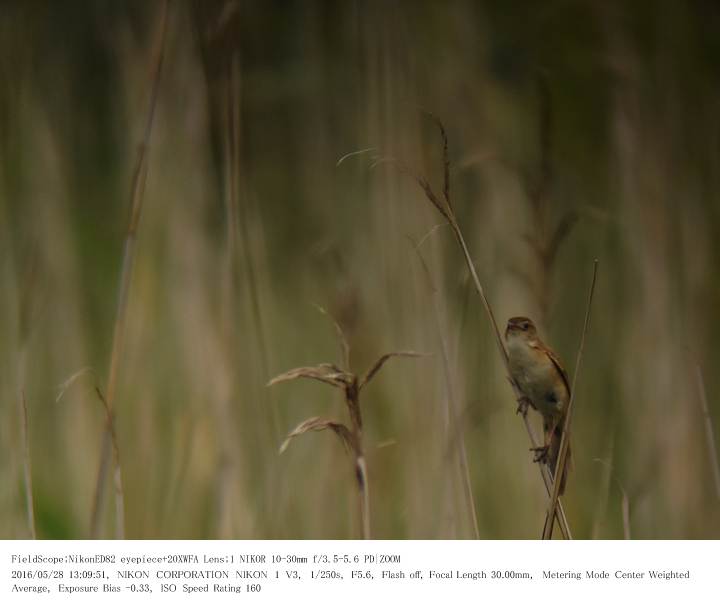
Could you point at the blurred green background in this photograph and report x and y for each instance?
(602, 116)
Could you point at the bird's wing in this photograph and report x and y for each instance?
(556, 363)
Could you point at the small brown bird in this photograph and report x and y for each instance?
(538, 373)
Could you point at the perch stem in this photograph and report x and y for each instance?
(565, 440)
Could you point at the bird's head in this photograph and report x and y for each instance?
(520, 327)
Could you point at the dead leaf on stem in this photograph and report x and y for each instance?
(319, 424)
(326, 373)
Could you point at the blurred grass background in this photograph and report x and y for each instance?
(603, 112)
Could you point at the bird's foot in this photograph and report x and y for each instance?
(541, 454)
(524, 405)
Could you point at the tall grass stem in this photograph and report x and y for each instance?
(128, 262)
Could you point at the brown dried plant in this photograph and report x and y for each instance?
(351, 436)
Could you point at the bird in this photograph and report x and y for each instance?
(538, 373)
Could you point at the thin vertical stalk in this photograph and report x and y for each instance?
(239, 221)
(603, 496)
(565, 440)
(625, 504)
(226, 462)
(128, 262)
(364, 494)
(241, 259)
(117, 472)
(27, 469)
(452, 412)
(624, 501)
(709, 434)
(25, 326)
(352, 401)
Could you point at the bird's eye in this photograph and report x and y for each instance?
(524, 325)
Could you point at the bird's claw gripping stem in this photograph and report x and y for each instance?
(524, 404)
(541, 454)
